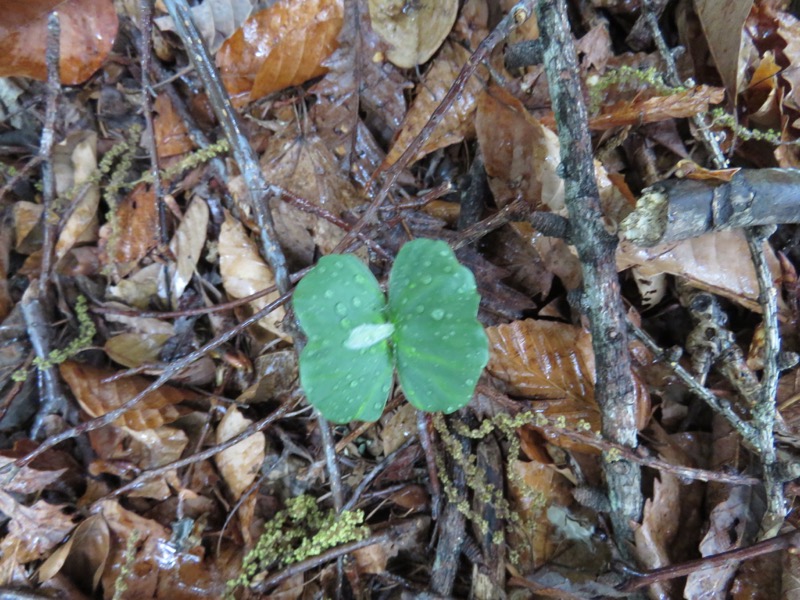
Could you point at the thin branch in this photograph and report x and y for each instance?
(259, 190)
(518, 14)
(596, 249)
(168, 373)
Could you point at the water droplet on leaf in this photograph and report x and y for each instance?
(437, 314)
(341, 309)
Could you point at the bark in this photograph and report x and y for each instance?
(596, 248)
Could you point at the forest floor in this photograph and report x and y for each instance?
(585, 388)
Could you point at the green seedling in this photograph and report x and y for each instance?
(428, 331)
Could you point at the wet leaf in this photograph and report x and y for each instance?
(722, 23)
(239, 464)
(440, 346)
(457, 123)
(98, 398)
(88, 29)
(244, 272)
(172, 135)
(413, 30)
(133, 232)
(344, 382)
(278, 47)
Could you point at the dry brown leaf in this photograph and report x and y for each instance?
(133, 350)
(33, 530)
(27, 480)
(187, 245)
(278, 47)
(413, 30)
(239, 464)
(134, 232)
(409, 536)
(543, 487)
(172, 135)
(722, 23)
(88, 29)
(83, 556)
(651, 110)
(457, 123)
(98, 398)
(398, 427)
(244, 272)
(306, 167)
(141, 287)
(706, 262)
(217, 20)
(75, 162)
(658, 529)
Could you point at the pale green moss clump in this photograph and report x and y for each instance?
(86, 332)
(298, 532)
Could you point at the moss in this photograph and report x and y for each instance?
(86, 333)
(299, 531)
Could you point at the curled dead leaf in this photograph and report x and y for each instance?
(414, 30)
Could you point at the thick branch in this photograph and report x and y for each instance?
(679, 209)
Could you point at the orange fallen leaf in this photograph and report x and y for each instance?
(98, 398)
(88, 29)
(278, 47)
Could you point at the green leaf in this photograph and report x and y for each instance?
(344, 381)
(440, 347)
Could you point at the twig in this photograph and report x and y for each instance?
(764, 411)
(168, 373)
(426, 441)
(145, 59)
(207, 453)
(329, 448)
(373, 474)
(719, 405)
(518, 14)
(260, 192)
(35, 309)
(596, 250)
(775, 544)
(51, 395)
(49, 217)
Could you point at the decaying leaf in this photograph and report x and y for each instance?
(457, 123)
(83, 556)
(722, 23)
(88, 29)
(244, 272)
(306, 167)
(172, 135)
(75, 163)
(32, 530)
(356, 82)
(414, 30)
(217, 20)
(98, 398)
(239, 464)
(134, 231)
(705, 262)
(187, 245)
(278, 47)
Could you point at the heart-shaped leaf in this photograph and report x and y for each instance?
(440, 346)
(346, 368)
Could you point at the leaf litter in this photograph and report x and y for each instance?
(166, 500)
